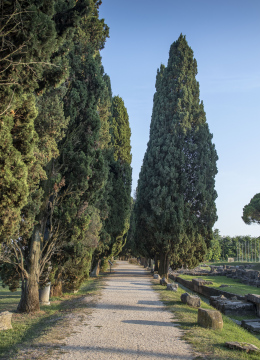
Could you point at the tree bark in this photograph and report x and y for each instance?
(29, 301)
(56, 289)
(156, 265)
(164, 265)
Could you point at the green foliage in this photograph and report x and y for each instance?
(117, 224)
(214, 249)
(243, 248)
(83, 155)
(251, 212)
(175, 205)
(121, 132)
(65, 159)
(58, 166)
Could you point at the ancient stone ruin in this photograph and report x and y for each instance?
(191, 300)
(211, 319)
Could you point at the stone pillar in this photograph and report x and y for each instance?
(96, 270)
(211, 319)
(44, 295)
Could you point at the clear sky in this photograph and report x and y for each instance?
(225, 38)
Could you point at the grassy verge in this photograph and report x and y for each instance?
(234, 286)
(209, 343)
(47, 326)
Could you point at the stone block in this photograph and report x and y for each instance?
(248, 348)
(5, 320)
(157, 276)
(163, 281)
(211, 319)
(172, 287)
(251, 325)
(184, 298)
(232, 306)
(191, 300)
(255, 299)
(44, 295)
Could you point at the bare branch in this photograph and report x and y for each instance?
(10, 103)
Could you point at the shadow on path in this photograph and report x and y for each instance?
(117, 351)
(147, 322)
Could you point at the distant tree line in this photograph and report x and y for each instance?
(241, 248)
(65, 155)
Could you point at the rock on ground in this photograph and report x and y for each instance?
(128, 322)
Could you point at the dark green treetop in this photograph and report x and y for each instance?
(251, 211)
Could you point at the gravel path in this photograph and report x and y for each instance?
(128, 322)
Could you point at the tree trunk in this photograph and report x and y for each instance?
(29, 301)
(156, 265)
(56, 289)
(164, 265)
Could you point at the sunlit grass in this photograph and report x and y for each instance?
(211, 343)
(234, 286)
(9, 300)
(28, 327)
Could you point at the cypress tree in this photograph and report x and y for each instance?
(176, 194)
(40, 231)
(117, 224)
(82, 162)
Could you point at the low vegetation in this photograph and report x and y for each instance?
(209, 344)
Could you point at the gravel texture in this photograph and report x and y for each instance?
(128, 322)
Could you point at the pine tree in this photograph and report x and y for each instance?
(176, 195)
(251, 211)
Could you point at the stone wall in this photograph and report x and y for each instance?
(203, 289)
(245, 275)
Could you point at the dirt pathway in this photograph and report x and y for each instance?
(128, 322)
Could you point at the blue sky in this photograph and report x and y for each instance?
(225, 38)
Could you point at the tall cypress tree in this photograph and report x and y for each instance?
(117, 223)
(81, 168)
(176, 194)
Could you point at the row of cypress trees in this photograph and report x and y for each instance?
(65, 155)
(174, 209)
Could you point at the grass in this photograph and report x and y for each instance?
(209, 344)
(206, 268)
(9, 300)
(235, 287)
(255, 265)
(29, 328)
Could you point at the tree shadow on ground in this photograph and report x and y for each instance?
(147, 322)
